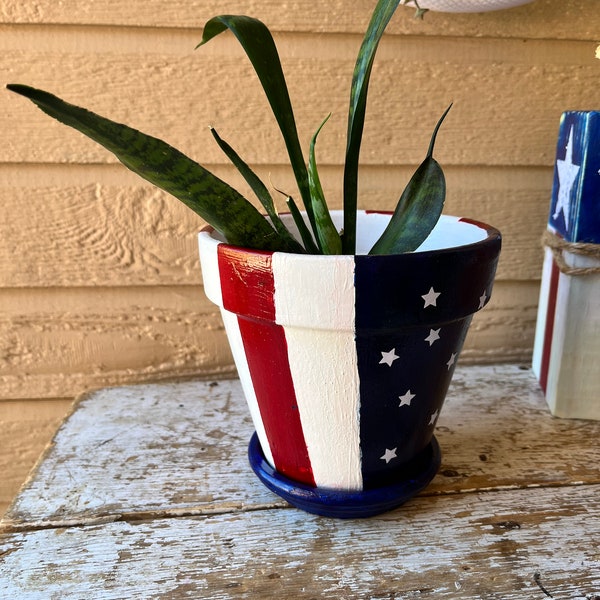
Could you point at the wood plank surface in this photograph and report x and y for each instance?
(125, 504)
(181, 449)
(505, 545)
(574, 19)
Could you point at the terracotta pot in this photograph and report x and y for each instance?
(469, 5)
(345, 360)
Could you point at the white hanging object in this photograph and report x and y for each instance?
(469, 5)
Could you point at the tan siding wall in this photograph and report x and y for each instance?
(99, 278)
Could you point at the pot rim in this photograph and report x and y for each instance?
(208, 234)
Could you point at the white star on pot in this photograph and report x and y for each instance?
(482, 300)
(434, 336)
(452, 360)
(434, 417)
(406, 399)
(430, 297)
(567, 173)
(389, 454)
(387, 358)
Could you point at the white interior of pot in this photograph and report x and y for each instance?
(448, 233)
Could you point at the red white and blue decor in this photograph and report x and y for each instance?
(345, 360)
(567, 343)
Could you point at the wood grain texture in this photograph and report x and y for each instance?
(100, 231)
(568, 20)
(145, 492)
(56, 342)
(507, 101)
(163, 462)
(499, 546)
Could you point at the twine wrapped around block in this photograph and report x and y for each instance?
(557, 245)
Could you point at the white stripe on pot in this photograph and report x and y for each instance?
(323, 361)
(234, 336)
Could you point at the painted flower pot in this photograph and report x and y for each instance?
(345, 360)
(470, 5)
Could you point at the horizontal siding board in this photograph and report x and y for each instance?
(576, 19)
(60, 342)
(504, 331)
(97, 235)
(507, 103)
(92, 231)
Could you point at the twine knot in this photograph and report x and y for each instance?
(557, 245)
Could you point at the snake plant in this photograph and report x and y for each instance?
(231, 214)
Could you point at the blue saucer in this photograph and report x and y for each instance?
(341, 504)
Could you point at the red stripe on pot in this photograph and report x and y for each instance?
(549, 330)
(248, 288)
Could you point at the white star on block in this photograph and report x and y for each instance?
(389, 454)
(434, 417)
(430, 298)
(387, 358)
(406, 399)
(567, 173)
(482, 300)
(451, 361)
(434, 336)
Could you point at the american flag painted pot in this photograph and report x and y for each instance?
(345, 360)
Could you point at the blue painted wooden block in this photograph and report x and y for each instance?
(575, 208)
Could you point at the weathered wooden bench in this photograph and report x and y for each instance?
(145, 492)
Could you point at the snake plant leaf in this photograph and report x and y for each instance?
(305, 234)
(162, 165)
(259, 188)
(418, 211)
(329, 239)
(419, 208)
(258, 43)
(356, 115)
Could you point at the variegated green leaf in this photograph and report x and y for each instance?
(258, 43)
(419, 208)
(259, 188)
(164, 166)
(356, 116)
(328, 236)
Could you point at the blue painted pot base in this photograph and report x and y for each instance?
(353, 504)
